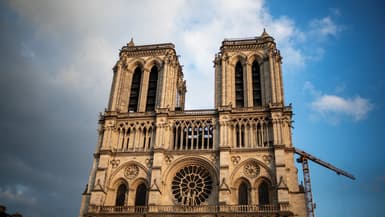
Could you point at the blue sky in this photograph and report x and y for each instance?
(56, 70)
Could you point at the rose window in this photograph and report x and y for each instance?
(251, 169)
(131, 171)
(192, 185)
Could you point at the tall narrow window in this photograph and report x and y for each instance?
(121, 195)
(135, 88)
(243, 194)
(239, 89)
(152, 85)
(240, 136)
(263, 193)
(141, 195)
(257, 95)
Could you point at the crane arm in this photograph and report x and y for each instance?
(323, 163)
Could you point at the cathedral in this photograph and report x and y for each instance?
(154, 158)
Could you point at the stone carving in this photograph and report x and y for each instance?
(267, 158)
(148, 162)
(235, 159)
(155, 187)
(115, 162)
(282, 183)
(214, 158)
(223, 186)
(131, 171)
(168, 158)
(251, 169)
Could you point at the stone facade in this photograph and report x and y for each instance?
(155, 158)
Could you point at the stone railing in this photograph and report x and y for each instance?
(197, 112)
(188, 209)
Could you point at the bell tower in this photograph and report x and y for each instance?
(147, 78)
(248, 73)
(254, 120)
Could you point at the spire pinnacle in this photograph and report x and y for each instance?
(264, 33)
(131, 43)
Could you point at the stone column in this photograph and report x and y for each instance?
(115, 86)
(272, 78)
(218, 82)
(124, 96)
(249, 86)
(223, 82)
(266, 82)
(278, 79)
(163, 83)
(143, 90)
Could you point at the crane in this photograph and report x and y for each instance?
(303, 159)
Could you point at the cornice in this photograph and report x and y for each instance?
(148, 50)
(247, 44)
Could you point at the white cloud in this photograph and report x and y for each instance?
(332, 106)
(17, 193)
(324, 27)
(90, 32)
(309, 88)
(356, 107)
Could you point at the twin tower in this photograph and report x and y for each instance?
(154, 158)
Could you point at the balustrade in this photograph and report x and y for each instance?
(189, 209)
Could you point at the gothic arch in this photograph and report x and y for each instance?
(118, 182)
(119, 192)
(118, 172)
(140, 189)
(154, 61)
(139, 181)
(135, 89)
(152, 88)
(135, 63)
(264, 191)
(263, 167)
(240, 84)
(243, 191)
(258, 56)
(183, 161)
(242, 58)
(256, 74)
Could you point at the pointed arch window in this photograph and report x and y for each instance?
(135, 88)
(121, 195)
(243, 193)
(256, 75)
(141, 195)
(263, 193)
(239, 87)
(152, 85)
